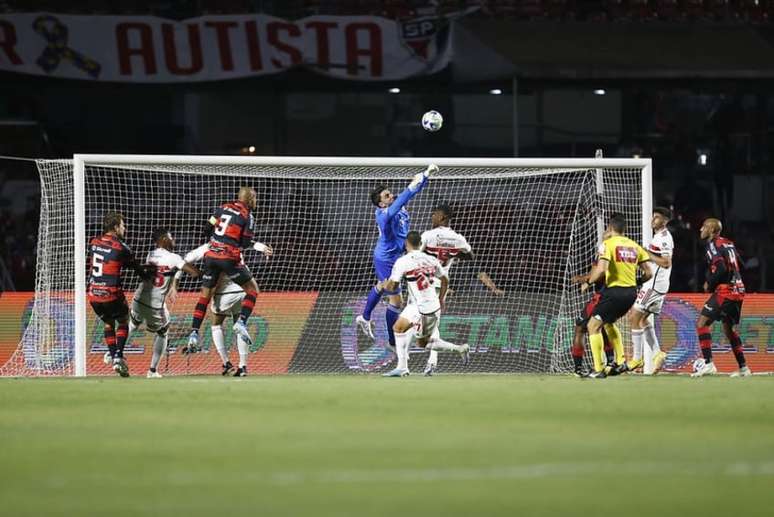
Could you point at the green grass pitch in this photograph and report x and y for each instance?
(362, 445)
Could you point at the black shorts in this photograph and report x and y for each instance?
(236, 271)
(111, 311)
(719, 308)
(614, 303)
(583, 319)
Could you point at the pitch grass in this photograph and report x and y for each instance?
(363, 445)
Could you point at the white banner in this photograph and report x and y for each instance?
(147, 49)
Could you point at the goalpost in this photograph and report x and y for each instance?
(532, 224)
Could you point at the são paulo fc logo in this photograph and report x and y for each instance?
(424, 36)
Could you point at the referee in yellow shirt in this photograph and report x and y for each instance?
(618, 262)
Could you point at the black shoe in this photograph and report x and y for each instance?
(227, 368)
(241, 372)
(616, 369)
(580, 373)
(598, 375)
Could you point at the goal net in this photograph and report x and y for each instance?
(533, 224)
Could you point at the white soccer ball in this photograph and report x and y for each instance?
(432, 120)
(698, 364)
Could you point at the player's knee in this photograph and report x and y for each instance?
(162, 331)
(401, 326)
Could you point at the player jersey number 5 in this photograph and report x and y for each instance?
(97, 262)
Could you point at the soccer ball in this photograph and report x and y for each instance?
(432, 121)
(698, 364)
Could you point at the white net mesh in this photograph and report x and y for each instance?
(531, 230)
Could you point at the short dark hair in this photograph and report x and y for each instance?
(618, 223)
(111, 220)
(376, 194)
(159, 232)
(663, 212)
(414, 239)
(445, 209)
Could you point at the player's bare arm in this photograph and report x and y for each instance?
(665, 262)
(596, 274)
(485, 279)
(444, 290)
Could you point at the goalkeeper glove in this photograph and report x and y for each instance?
(421, 176)
(259, 246)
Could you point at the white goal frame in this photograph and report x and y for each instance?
(80, 161)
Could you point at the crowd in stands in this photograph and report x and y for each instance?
(746, 11)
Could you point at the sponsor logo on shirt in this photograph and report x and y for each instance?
(626, 254)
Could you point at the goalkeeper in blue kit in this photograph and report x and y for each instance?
(393, 221)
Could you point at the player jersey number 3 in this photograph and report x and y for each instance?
(220, 229)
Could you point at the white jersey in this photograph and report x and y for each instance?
(420, 270)
(152, 293)
(444, 244)
(225, 285)
(663, 245)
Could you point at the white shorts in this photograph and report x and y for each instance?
(229, 303)
(426, 325)
(649, 300)
(154, 319)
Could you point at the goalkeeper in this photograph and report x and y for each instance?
(393, 221)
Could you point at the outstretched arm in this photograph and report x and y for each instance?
(414, 188)
(485, 279)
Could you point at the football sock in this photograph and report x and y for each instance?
(705, 342)
(121, 333)
(614, 336)
(433, 357)
(401, 349)
(736, 346)
(247, 305)
(637, 344)
(110, 340)
(199, 312)
(440, 344)
(609, 354)
(391, 315)
(219, 340)
(577, 356)
(597, 346)
(649, 333)
(159, 345)
(374, 295)
(243, 350)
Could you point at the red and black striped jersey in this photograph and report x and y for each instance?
(108, 255)
(233, 231)
(723, 275)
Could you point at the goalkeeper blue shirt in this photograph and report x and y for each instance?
(394, 224)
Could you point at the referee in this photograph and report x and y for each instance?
(619, 258)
